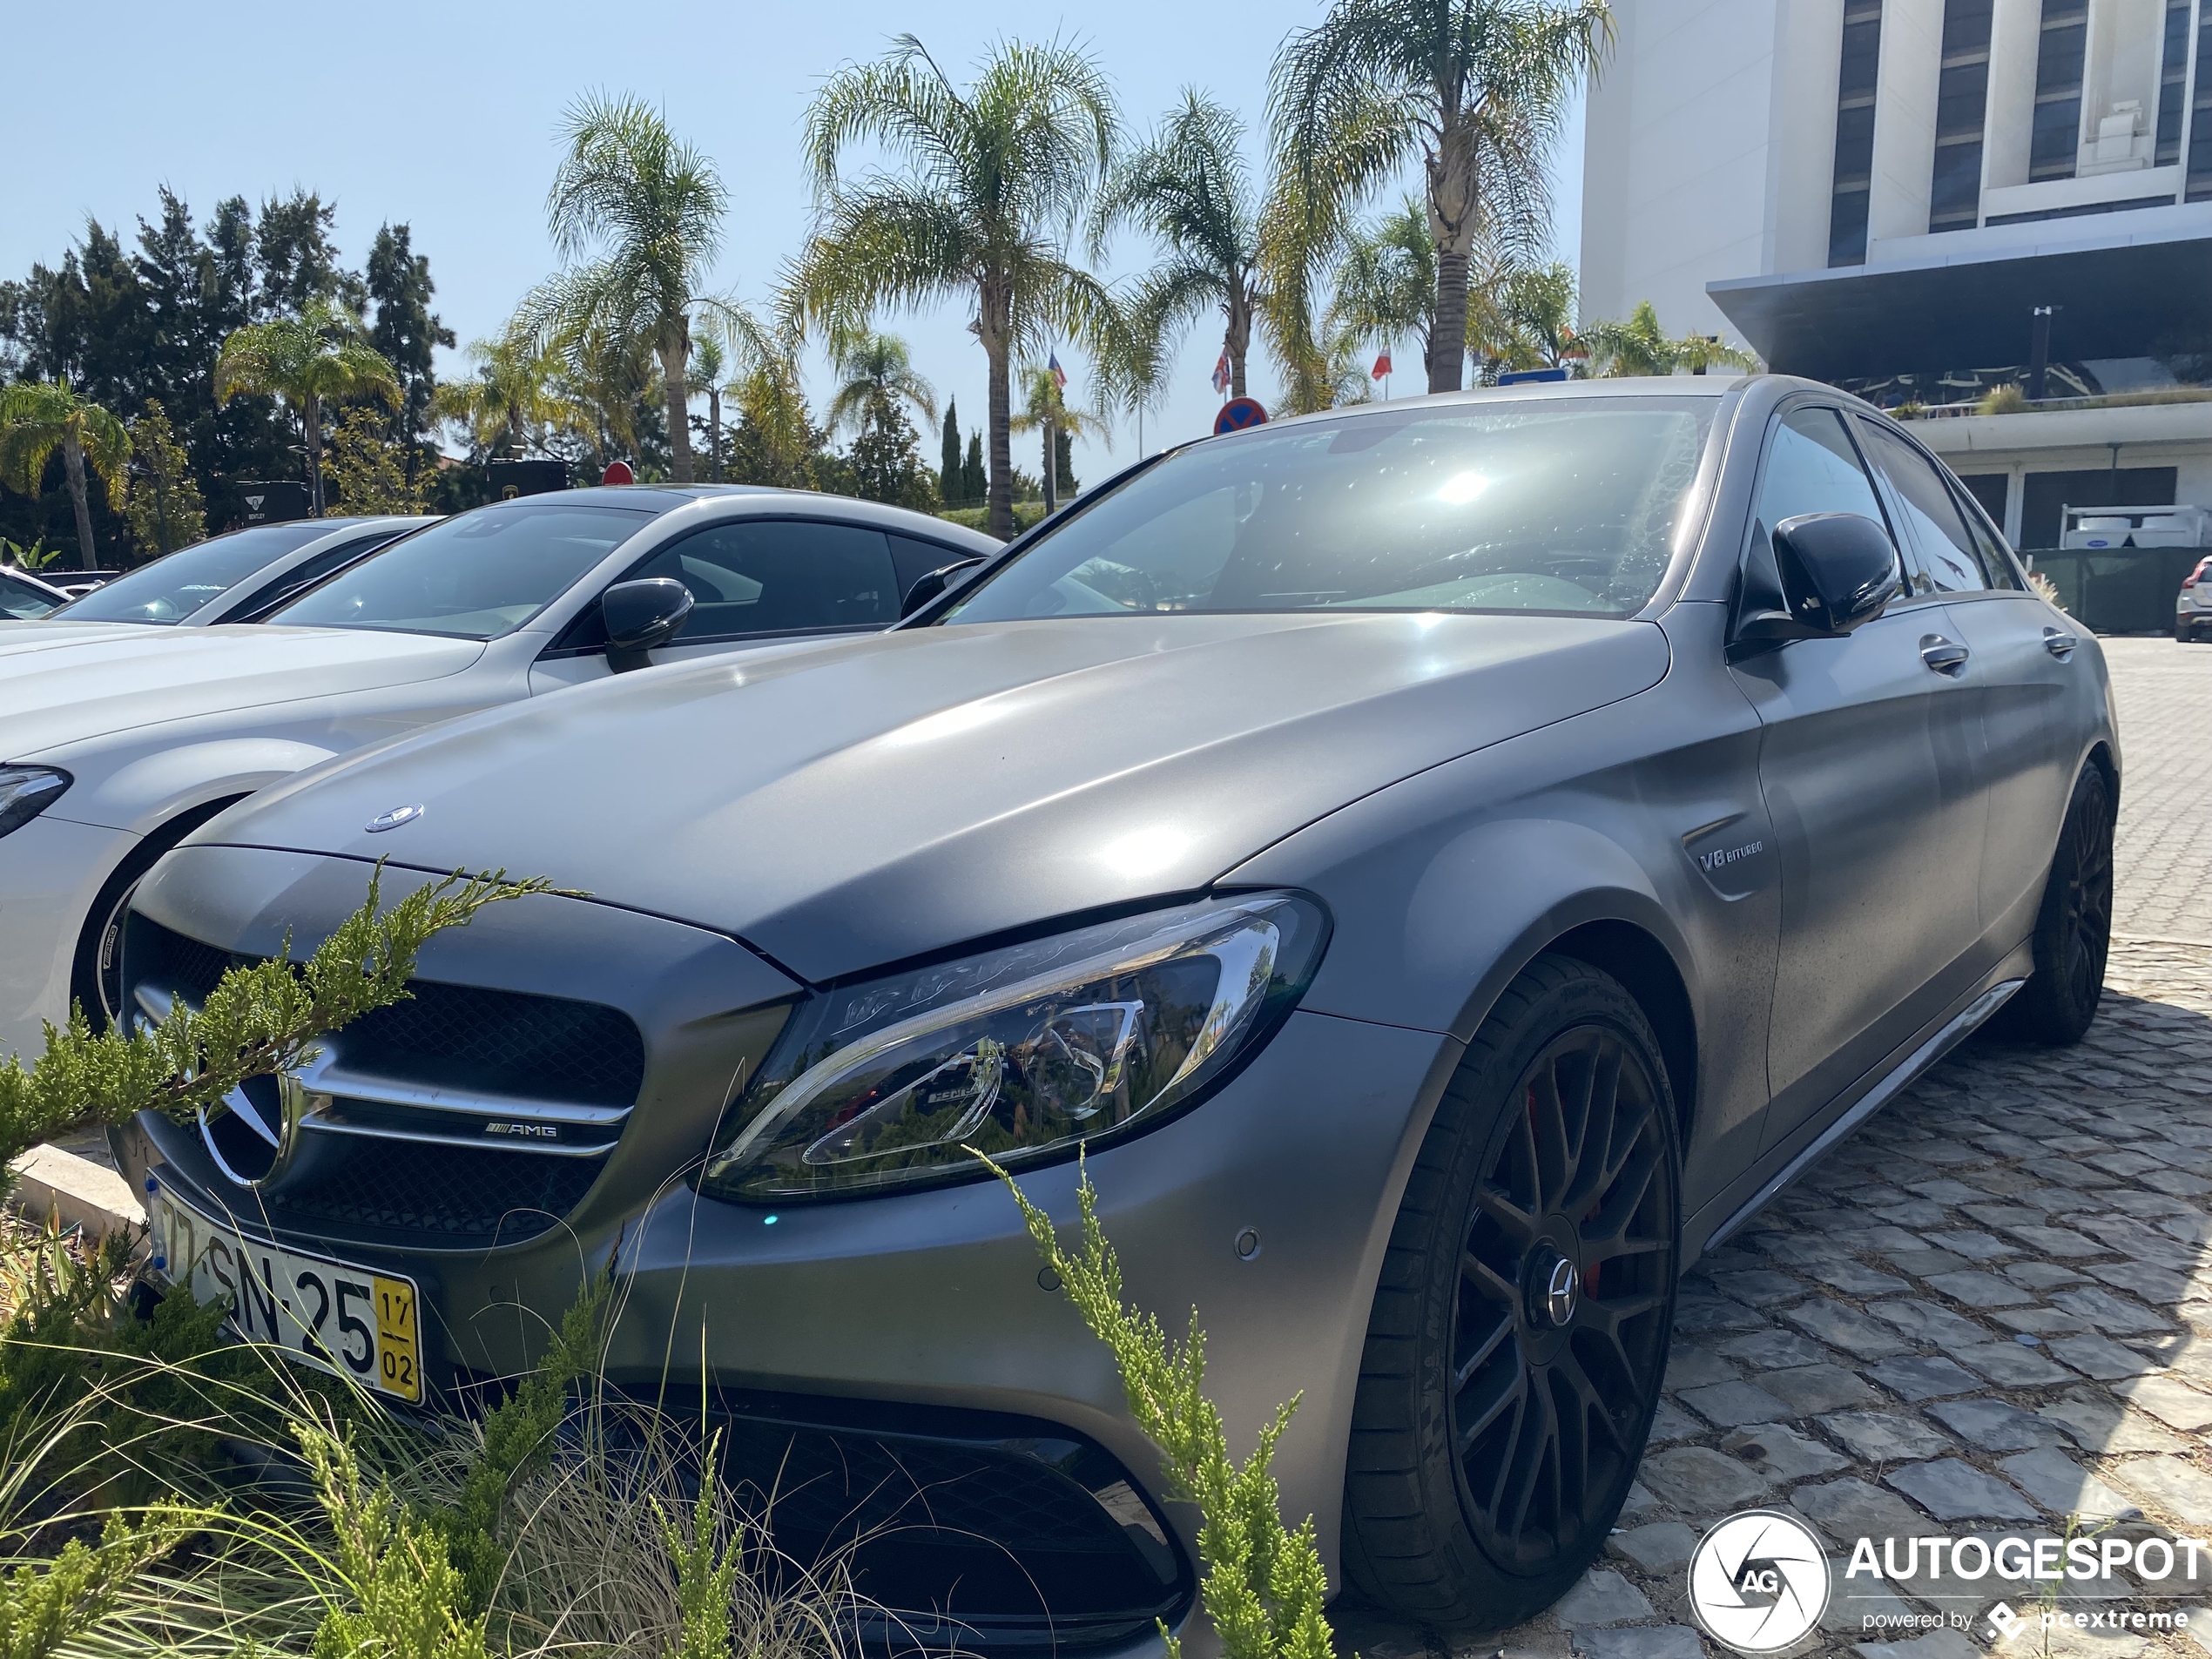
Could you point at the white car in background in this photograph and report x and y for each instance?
(117, 739)
(23, 595)
(238, 576)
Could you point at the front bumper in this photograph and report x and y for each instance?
(914, 1319)
(50, 871)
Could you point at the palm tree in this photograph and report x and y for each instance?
(1473, 88)
(652, 207)
(514, 399)
(876, 371)
(1044, 411)
(36, 418)
(995, 180)
(319, 356)
(705, 371)
(1189, 186)
(1640, 346)
(1537, 309)
(1386, 284)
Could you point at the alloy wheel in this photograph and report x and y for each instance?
(1559, 1329)
(2087, 931)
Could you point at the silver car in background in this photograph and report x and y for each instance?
(238, 576)
(1451, 863)
(117, 739)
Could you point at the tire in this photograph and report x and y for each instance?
(95, 976)
(1464, 1349)
(2072, 925)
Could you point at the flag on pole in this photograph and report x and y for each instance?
(1221, 372)
(1059, 375)
(1381, 369)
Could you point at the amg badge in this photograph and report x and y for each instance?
(525, 1131)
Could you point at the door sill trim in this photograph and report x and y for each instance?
(1900, 1078)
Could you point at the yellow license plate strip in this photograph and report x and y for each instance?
(320, 1311)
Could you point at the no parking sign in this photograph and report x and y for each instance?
(1239, 413)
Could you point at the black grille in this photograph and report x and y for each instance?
(453, 1036)
(457, 1036)
(460, 1194)
(547, 1047)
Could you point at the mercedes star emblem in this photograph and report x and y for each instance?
(393, 818)
(1559, 1294)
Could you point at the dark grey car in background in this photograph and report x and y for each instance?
(1451, 863)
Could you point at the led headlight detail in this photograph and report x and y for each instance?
(1022, 1052)
(25, 791)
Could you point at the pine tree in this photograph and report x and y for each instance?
(948, 472)
(405, 332)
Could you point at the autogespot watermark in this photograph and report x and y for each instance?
(1761, 1581)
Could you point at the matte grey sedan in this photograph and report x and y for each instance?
(1451, 863)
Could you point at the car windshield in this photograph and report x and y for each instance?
(1553, 505)
(477, 576)
(171, 587)
(20, 601)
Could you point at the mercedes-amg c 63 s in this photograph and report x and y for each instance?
(1449, 862)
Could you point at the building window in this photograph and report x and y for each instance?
(2200, 133)
(2054, 144)
(1962, 101)
(2172, 82)
(1854, 132)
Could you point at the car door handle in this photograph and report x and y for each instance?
(1944, 656)
(2060, 643)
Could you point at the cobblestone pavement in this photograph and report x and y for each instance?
(2164, 691)
(1988, 1311)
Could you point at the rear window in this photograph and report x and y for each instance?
(1548, 505)
(170, 589)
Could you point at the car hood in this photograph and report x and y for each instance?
(63, 682)
(868, 800)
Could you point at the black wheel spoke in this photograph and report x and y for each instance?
(1519, 1224)
(1499, 1333)
(1495, 1286)
(1548, 1125)
(1509, 1394)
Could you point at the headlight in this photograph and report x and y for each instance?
(1022, 1052)
(25, 791)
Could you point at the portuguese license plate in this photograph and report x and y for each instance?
(350, 1321)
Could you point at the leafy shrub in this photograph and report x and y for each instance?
(1262, 1583)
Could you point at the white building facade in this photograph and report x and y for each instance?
(1883, 193)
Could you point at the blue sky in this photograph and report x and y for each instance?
(444, 117)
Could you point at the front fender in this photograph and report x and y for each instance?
(1465, 928)
(150, 791)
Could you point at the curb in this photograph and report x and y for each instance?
(74, 1193)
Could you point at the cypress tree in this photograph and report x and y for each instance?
(971, 481)
(949, 480)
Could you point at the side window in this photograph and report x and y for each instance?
(1811, 467)
(1949, 558)
(1995, 559)
(780, 575)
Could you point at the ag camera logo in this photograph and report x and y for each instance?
(1758, 1581)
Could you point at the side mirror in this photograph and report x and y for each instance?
(641, 615)
(926, 588)
(1838, 571)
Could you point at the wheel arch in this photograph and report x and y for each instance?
(1626, 933)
